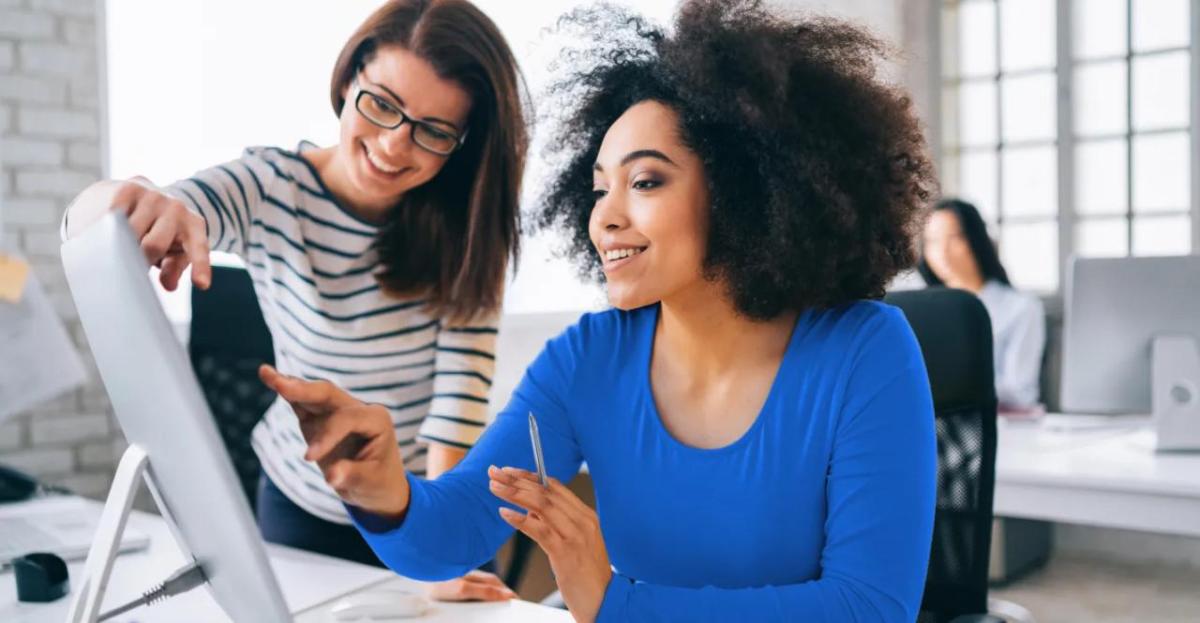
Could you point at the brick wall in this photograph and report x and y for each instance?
(49, 151)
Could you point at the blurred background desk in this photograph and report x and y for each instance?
(1106, 476)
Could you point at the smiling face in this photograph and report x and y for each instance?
(650, 220)
(381, 164)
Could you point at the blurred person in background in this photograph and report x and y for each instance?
(957, 253)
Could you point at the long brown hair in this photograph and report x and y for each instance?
(450, 240)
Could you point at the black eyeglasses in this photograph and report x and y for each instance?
(386, 115)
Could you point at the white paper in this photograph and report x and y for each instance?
(37, 359)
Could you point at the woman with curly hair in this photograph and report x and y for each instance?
(758, 429)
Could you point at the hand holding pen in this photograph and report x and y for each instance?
(566, 529)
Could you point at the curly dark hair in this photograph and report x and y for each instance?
(817, 170)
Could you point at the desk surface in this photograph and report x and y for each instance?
(1109, 477)
(311, 584)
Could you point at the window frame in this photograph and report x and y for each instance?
(943, 24)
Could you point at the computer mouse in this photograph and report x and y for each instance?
(380, 604)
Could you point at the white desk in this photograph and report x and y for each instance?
(1100, 477)
(310, 583)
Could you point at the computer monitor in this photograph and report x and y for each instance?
(1119, 311)
(162, 410)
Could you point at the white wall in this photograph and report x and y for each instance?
(192, 83)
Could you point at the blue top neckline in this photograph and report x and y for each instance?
(646, 354)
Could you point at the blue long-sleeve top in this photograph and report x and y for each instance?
(821, 511)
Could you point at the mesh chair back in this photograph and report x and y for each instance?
(229, 340)
(955, 334)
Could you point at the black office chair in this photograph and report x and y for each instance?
(229, 340)
(955, 334)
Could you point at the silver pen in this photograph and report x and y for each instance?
(536, 439)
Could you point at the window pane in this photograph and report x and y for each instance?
(1026, 34)
(1029, 180)
(1159, 24)
(977, 38)
(1028, 108)
(1099, 98)
(1100, 177)
(978, 182)
(1102, 238)
(1162, 235)
(977, 113)
(1099, 28)
(1030, 254)
(1160, 91)
(1160, 173)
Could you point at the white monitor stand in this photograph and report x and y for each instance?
(134, 466)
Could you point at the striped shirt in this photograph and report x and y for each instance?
(313, 265)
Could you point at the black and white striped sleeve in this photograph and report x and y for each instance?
(226, 196)
(463, 369)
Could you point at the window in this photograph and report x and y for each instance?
(1068, 123)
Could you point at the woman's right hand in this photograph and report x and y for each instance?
(171, 236)
(353, 443)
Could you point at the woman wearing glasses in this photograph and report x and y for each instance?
(378, 262)
(759, 432)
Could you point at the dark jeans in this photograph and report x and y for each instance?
(281, 521)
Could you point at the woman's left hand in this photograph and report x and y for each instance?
(474, 586)
(566, 529)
